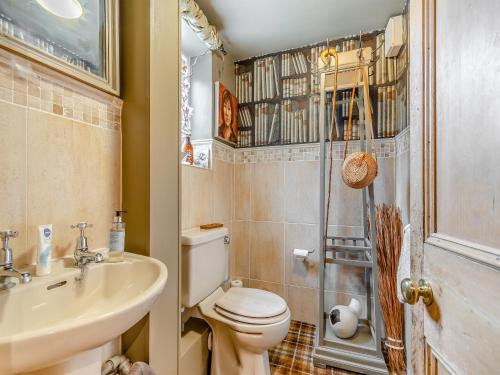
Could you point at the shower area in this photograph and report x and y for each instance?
(354, 88)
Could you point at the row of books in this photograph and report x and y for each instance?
(245, 117)
(293, 63)
(385, 68)
(354, 130)
(244, 87)
(387, 116)
(295, 127)
(314, 107)
(244, 138)
(266, 123)
(315, 55)
(294, 87)
(266, 79)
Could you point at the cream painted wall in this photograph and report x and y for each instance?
(164, 189)
(61, 157)
(150, 76)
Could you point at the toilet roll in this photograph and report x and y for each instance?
(236, 284)
(300, 254)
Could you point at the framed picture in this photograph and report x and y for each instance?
(76, 37)
(227, 114)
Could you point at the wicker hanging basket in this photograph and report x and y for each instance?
(359, 168)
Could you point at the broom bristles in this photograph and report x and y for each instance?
(389, 239)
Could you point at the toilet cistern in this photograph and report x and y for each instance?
(7, 270)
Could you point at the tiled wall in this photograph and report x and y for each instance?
(277, 210)
(269, 199)
(60, 142)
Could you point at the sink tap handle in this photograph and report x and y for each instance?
(81, 243)
(82, 226)
(5, 236)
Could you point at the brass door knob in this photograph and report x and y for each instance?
(412, 291)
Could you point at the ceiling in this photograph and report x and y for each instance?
(255, 27)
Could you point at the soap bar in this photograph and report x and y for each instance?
(211, 226)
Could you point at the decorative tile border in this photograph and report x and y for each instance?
(385, 148)
(28, 84)
(403, 141)
(222, 151)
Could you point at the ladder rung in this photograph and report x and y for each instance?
(347, 248)
(350, 262)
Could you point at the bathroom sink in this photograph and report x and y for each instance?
(56, 317)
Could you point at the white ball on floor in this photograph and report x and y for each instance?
(344, 319)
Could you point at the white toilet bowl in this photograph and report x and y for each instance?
(245, 323)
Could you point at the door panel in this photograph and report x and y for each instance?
(455, 214)
(461, 324)
(467, 120)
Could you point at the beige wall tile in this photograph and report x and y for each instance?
(73, 175)
(267, 192)
(277, 288)
(346, 203)
(302, 192)
(345, 279)
(240, 250)
(223, 190)
(306, 273)
(243, 175)
(266, 251)
(202, 202)
(303, 303)
(13, 176)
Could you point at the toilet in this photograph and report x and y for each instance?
(245, 322)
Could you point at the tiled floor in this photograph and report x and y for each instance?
(294, 355)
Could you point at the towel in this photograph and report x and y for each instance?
(404, 270)
(141, 368)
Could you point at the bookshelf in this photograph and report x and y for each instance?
(278, 95)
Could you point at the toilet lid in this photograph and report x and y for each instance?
(252, 303)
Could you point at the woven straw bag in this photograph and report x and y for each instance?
(359, 168)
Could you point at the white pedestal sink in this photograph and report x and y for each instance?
(55, 318)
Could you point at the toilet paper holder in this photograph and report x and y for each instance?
(302, 254)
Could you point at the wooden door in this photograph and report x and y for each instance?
(455, 185)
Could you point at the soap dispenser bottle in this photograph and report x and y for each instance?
(117, 238)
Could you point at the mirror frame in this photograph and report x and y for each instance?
(109, 83)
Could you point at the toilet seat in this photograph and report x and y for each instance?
(250, 320)
(208, 308)
(251, 306)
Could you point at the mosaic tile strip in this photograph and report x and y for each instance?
(385, 148)
(222, 151)
(403, 141)
(30, 85)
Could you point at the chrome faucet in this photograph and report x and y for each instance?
(7, 270)
(82, 255)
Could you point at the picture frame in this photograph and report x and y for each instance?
(85, 48)
(226, 115)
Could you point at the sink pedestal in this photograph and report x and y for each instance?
(85, 363)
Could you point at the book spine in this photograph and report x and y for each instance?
(379, 113)
(276, 81)
(295, 65)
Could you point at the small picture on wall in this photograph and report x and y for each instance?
(227, 105)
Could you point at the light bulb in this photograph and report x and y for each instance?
(69, 9)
